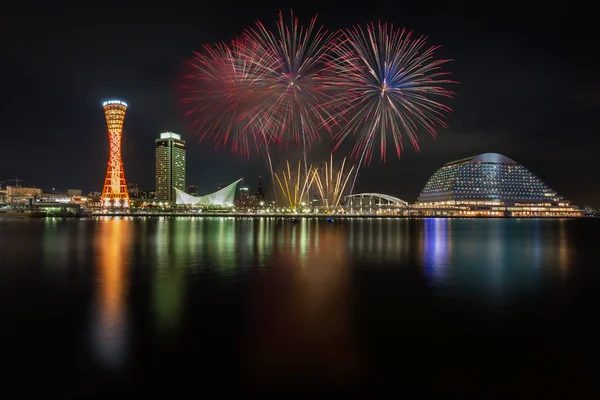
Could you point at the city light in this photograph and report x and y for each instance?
(114, 102)
(170, 135)
(114, 192)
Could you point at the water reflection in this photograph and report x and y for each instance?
(436, 248)
(380, 240)
(109, 326)
(299, 314)
(220, 242)
(264, 242)
(565, 254)
(272, 299)
(171, 255)
(56, 245)
(497, 259)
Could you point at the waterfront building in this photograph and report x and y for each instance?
(221, 198)
(55, 198)
(490, 185)
(591, 212)
(170, 166)
(148, 195)
(74, 192)
(134, 190)
(247, 201)
(244, 191)
(114, 191)
(21, 195)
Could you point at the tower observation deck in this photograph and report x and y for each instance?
(114, 192)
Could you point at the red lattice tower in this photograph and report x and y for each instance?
(114, 192)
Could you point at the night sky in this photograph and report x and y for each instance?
(529, 90)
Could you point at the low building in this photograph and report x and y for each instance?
(21, 195)
(57, 198)
(74, 192)
(490, 185)
(589, 211)
(60, 209)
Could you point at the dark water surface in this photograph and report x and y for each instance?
(193, 307)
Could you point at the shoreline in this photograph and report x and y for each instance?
(313, 216)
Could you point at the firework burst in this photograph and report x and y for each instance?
(291, 71)
(388, 86)
(223, 95)
(330, 182)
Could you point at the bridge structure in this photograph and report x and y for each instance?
(374, 203)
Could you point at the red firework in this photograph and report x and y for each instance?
(264, 87)
(224, 96)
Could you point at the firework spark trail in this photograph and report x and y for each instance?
(331, 183)
(223, 100)
(224, 95)
(295, 186)
(264, 88)
(292, 63)
(387, 85)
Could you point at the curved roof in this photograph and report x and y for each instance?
(494, 158)
(223, 197)
(486, 177)
(387, 197)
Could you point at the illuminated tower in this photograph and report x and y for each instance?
(115, 193)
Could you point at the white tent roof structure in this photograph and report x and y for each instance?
(223, 197)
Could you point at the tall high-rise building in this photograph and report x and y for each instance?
(170, 165)
(114, 191)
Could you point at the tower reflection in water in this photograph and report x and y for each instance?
(299, 321)
(109, 325)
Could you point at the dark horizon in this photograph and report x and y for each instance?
(527, 90)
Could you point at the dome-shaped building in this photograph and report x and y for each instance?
(490, 184)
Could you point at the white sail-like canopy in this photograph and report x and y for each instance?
(223, 197)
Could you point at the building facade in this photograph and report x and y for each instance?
(170, 166)
(21, 195)
(490, 185)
